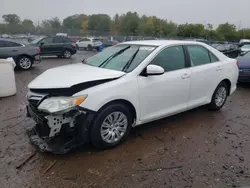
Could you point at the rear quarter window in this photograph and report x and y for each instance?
(66, 40)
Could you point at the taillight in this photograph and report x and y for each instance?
(74, 44)
(38, 50)
(237, 63)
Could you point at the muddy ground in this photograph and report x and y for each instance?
(196, 149)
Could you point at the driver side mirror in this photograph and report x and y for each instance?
(154, 70)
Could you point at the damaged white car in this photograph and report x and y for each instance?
(132, 83)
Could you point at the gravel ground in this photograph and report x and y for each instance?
(198, 148)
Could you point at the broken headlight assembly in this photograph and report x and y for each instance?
(58, 104)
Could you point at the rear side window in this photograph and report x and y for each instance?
(82, 40)
(198, 55)
(57, 40)
(213, 58)
(1, 43)
(66, 40)
(96, 40)
(9, 44)
(170, 59)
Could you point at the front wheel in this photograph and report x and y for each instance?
(24, 63)
(67, 54)
(219, 97)
(111, 126)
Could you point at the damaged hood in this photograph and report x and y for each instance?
(70, 75)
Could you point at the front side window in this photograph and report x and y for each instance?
(47, 40)
(170, 59)
(121, 57)
(198, 55)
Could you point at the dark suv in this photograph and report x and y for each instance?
(60, 46)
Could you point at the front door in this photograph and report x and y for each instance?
(46, 46)
(166, 94)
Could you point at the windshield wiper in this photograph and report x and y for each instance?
(113, 56)
(130, 60)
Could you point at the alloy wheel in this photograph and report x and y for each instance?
(221, 96)
(114, 127)
(25, 63)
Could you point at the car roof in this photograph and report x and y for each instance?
(23, 42)
(10, 40)
(160, 42)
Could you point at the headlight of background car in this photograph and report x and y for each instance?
(57, 104)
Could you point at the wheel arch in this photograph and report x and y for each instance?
(24, 55)
(124, 102)
(228, 82)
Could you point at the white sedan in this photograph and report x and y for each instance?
(128, 85)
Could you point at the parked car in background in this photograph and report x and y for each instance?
(229, 49)
(108, 43)
(244, 68)
(23, 54)
(244, 40)
(126, 85)
(245, 47)
(89, 43)
(60, 46)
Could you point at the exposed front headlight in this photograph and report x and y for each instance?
(57, 104)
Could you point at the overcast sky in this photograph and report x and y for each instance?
(180, 11)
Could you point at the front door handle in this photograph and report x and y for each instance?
(185, 76)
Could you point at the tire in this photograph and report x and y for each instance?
(67, 54)
(90, 47)
(219, 97)
(113, 137)
(24, 62)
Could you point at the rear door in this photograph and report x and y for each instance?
(58, 45)
(3, 50)
(9, 49)
(205, 74)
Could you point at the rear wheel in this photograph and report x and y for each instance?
(111, 126)
(90, 47)
(24, 63)
(219, 97)
(67, 54)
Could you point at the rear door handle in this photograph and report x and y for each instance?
(218, 68)
(185, 76)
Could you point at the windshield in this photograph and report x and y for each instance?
(121, 57)
(247, 54)
(36, 41)
(246, 46)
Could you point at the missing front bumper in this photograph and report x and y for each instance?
(68, 136)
